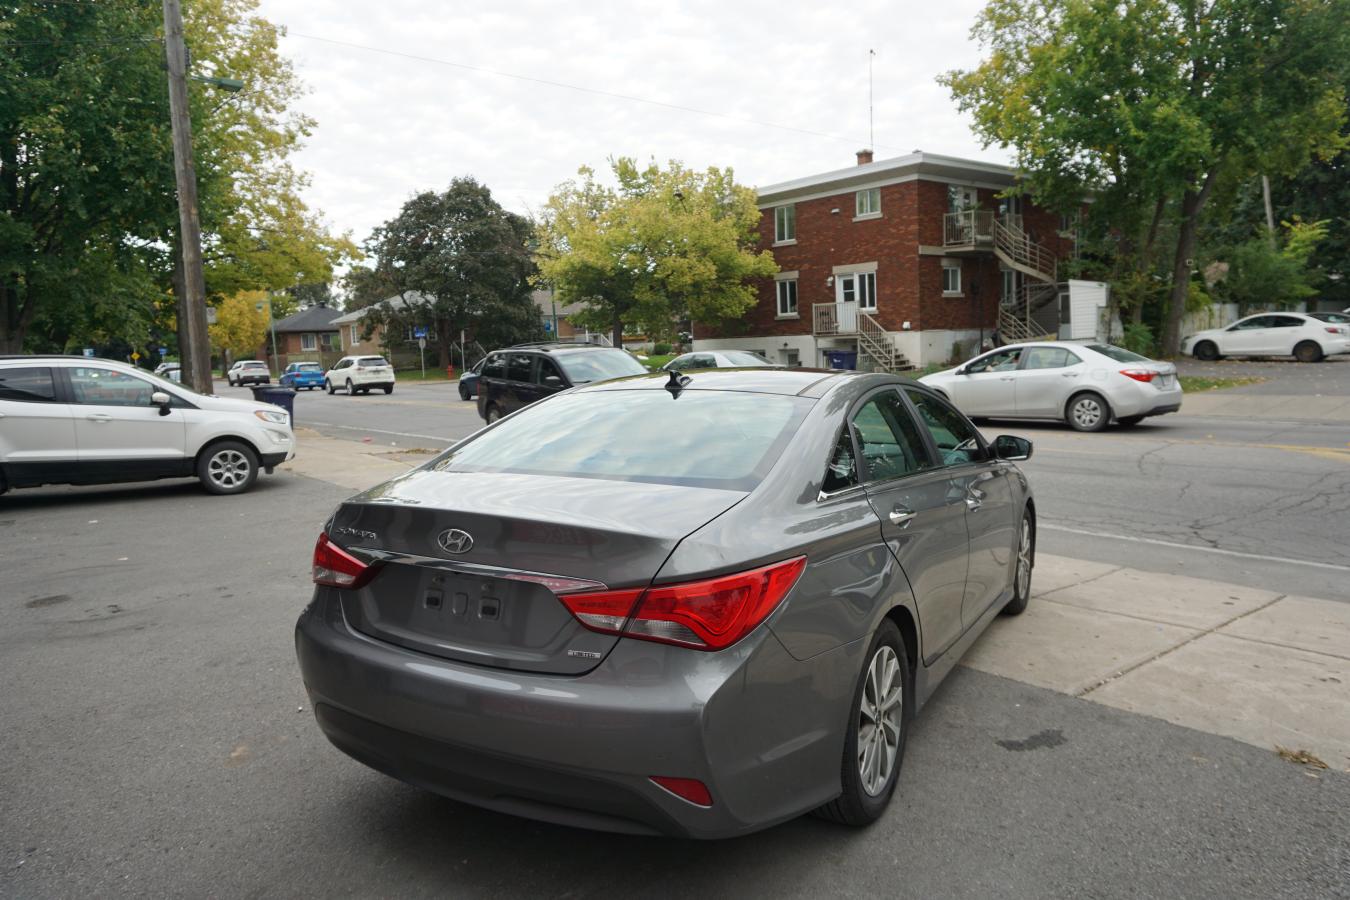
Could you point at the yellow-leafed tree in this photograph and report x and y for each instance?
(241, 324)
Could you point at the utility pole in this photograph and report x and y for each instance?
(193, 338)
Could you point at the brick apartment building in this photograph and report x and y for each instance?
(889, 264)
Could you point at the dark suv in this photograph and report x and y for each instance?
(518, 376)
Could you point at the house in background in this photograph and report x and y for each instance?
(900, 263)
(397, 340)
(557, 319)
(307, 336)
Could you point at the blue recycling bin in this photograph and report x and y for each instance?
(842, 359)
(277, 396)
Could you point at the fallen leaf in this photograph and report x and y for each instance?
(1302, 757)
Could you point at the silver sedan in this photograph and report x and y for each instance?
(1085, 385)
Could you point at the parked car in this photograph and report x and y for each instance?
(1335, 318)
(686, 605)
(1085, 385)
(302, 376)
(171, 371)
(248, 371)
(514, 378)
(715, 359)
(71, 420)
(165, 366)
(468, 382)
(359, 374)
(1302, 336)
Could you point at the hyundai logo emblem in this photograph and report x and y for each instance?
(455, 540)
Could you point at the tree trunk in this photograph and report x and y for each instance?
(11, 335)
(443, 343)
(618, 331)
(1192, 204)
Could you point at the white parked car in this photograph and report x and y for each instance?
(716, 359)
(1304, 337)
(359, 374)
(1085, 385)
(72, 420)
(249, 371)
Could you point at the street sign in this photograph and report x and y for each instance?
(421, 343)
(210, 315)
(135, 356)
(163, 351)
(548, 325)
(419, 331)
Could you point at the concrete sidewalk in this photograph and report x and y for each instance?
(1326, 409)
(1265, 668)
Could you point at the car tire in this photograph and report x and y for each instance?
(1206, 351)
(351, 391)
(388, 388)
(1087, 411)
(227, 467)
(328, 386)
(864, 798)
(1129, 421)
(1026, 563)
(463, 392)
(492, 414)
(1308, 352)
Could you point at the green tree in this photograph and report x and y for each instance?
(464, 258)
(1155, 104)
(660, 247)
(1260, 276)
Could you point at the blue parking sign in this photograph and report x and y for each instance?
(419, 331)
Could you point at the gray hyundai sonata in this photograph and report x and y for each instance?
(692, 605)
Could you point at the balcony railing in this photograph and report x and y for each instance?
(825, 319)
(967, 228)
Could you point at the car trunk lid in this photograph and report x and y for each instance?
(472, 563)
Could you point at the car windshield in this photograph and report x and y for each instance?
(599, 365)
(1117, 353)
(712, 439)
(371, 361)
(745, 358)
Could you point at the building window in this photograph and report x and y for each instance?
(787, 298)
(1068, 225)
(961, 198)
(868, 202)
(351, 335)
(1009, 285)
(331, 340)
(307, 342)
(951, 279)
(784, 224)
(867, 291)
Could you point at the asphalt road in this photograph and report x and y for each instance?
(1266, 503)
(157, 740)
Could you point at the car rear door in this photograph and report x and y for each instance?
(518, 390)
(1285, 332)
(1046, 378)
(116, 422)
(984, 484)
(921, 510)
(37, 426)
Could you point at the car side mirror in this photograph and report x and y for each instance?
(162, 400)
(552, 381)
(1013, 449)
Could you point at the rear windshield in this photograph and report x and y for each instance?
(1118, 354)
(255, 365)
(308, 367)
(712, 439)
(371, 361)
(745, 358)
(599, 365)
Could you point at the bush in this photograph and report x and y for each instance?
(660, 349)
(1138, 338)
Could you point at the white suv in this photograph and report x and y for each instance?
(250, 371)
(360, 373)
(71, 420)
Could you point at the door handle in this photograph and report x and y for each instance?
(1068, 374)
(98, 417)
(1005, 378)
(901, 515)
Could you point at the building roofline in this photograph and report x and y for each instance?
(896, 169)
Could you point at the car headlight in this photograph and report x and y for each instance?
(276, 417)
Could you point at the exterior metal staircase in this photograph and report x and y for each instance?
(1033, 314)
(876, 344)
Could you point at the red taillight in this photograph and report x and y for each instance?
(1140, 374)
(691, 789)
(336, 567)
(1333, 330)
(706, 615)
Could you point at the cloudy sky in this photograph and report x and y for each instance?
(472, 88)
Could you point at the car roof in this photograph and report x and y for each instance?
(802, 382)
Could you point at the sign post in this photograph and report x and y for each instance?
(422, 351)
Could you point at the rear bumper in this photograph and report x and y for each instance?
(1141, 399)
(580, 750)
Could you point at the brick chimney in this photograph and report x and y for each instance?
(864, 157)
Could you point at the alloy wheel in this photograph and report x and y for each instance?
(880, 717)
(228, 469)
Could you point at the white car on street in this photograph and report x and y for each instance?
(355, 374)
(249, 371)
(1304, 337)
(716, 359)
(72, 420)
(1085, 385)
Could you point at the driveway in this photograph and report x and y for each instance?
(1330, 377)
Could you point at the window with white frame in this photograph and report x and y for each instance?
(1009, 285)
(787, 297)
(308, 342)
(951, 278)
(784, 224)
(867, 291)
(351, 335)
(868, 202)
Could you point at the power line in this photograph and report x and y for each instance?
(576, 87)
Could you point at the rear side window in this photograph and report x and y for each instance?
(712, 439)
(518, 366)
(891, 444)
(28, 384)
(956, 439)
(495, 366)
(1049, 358)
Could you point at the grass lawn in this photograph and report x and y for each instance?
(433, 374)
(656, 362)
(1192, 383)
